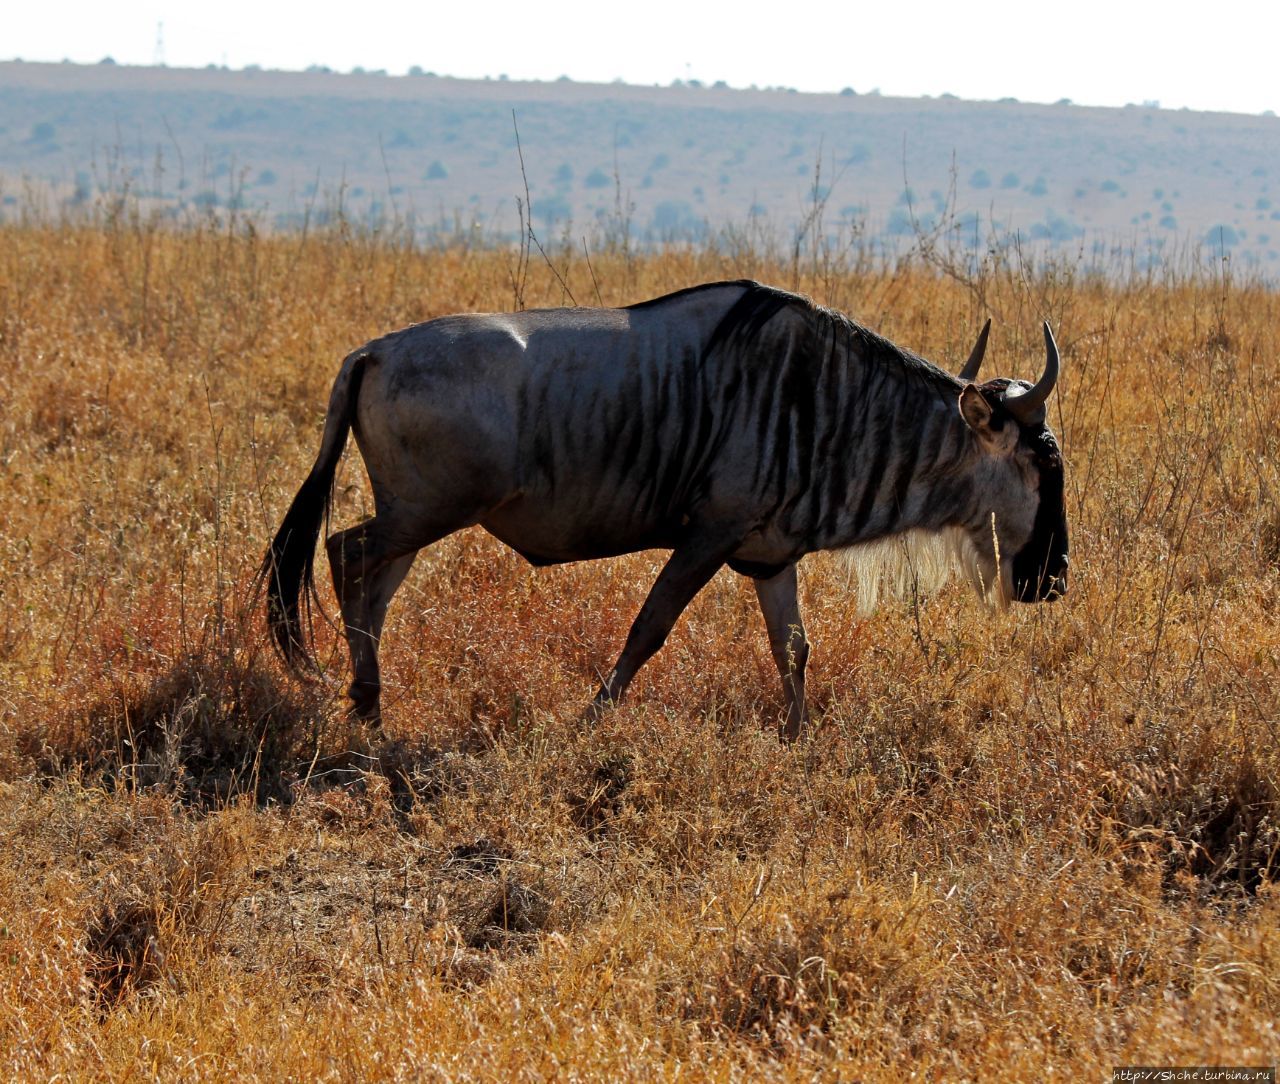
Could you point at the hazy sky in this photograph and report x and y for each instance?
(1219, 55)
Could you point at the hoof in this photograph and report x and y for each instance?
(366, 705)
(595, 711)
(591, 714)
(793, 729)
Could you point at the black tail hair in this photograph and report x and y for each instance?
(288, 567)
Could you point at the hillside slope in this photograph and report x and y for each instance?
(670, 161)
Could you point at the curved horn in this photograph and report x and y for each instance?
(971, 367)
(1028, 407)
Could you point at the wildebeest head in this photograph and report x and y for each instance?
(1020, 477)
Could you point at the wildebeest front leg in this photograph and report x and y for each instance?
(689, 569)
(367, 568)
(780, 604)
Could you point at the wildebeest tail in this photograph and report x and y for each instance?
(288, 566)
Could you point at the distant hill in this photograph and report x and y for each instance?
(674, 161)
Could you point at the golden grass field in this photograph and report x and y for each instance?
(1019, 846)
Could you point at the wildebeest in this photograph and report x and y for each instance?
(730, 423)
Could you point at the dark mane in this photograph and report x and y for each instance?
(877, 350)
(755, 308)
(759, 304)
(695, 290)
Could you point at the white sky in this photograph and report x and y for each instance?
(1223, 55)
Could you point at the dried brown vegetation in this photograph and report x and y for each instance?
(1015, 845)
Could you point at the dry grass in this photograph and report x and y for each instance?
(1015, 846)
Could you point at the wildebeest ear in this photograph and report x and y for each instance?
(975, 410)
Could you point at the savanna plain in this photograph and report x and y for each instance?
(1014, 846)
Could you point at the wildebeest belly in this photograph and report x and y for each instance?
(548, 532)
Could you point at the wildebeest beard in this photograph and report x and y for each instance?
(1040, 567)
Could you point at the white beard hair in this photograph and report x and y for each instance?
(915, 563)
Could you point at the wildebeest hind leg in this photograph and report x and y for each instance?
(688, 570)
(368, 566)
(780, 604)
